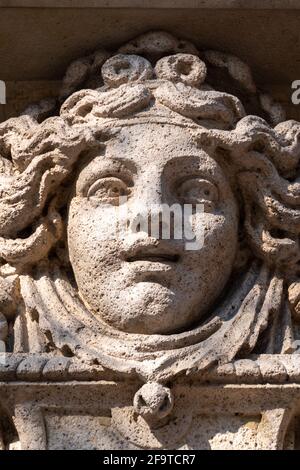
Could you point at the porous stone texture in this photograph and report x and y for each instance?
(120, 338)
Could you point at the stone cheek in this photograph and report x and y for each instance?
(129, 330)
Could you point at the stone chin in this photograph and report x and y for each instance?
(149, 308)
(145, 308)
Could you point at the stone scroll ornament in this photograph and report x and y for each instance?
(158, 122)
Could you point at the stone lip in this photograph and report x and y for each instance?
(142, 4)
(259, 369)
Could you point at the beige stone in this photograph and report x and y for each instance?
(157, 340)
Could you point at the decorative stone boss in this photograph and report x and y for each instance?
(153, 131)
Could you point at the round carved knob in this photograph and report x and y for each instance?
(184, 68)
(123, 68)
(153, 401)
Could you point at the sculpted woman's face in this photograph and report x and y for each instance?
(133, 280)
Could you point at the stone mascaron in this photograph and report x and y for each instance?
(155, 123)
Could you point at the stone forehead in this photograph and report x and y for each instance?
(157, 144)
(149, 133)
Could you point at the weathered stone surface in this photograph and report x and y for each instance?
(93, 298)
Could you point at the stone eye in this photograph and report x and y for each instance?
(198, 191)
(108, 189)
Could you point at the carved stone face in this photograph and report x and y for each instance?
(134, 281)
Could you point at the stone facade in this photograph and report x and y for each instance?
(135, 340)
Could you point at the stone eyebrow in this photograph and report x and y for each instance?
(106, 162)
(125, 163)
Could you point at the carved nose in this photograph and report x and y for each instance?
(156, 223)
(153, 401)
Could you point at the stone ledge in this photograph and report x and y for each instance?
(262, 369)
